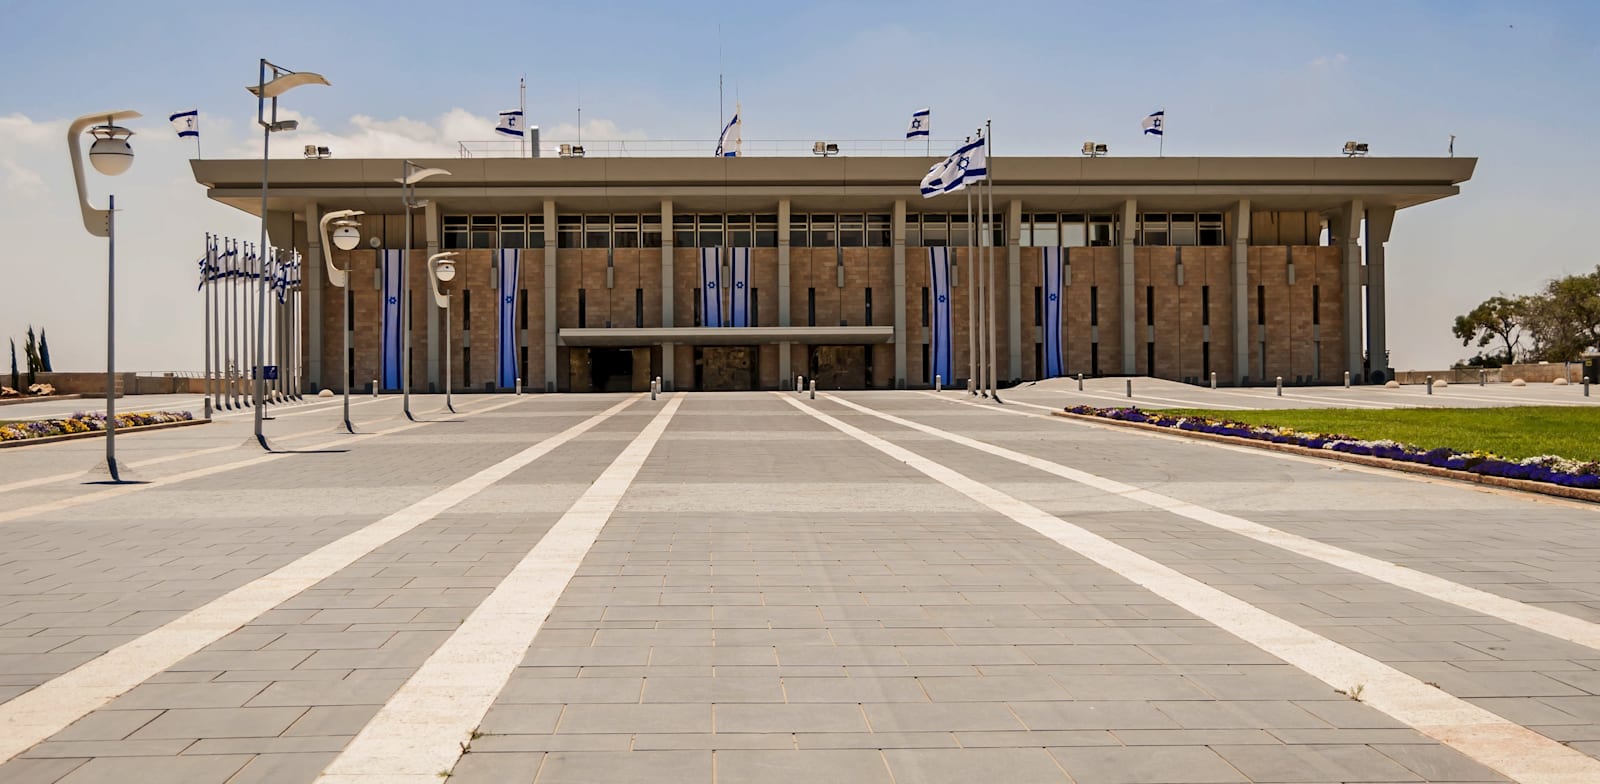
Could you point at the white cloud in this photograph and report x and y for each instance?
(1329, 61)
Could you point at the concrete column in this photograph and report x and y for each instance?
(430, 220)
(550, 238)
(666, 293)
(1379, 221)
(1130, 227)
(1014, 286)
(785, 349)
(1349, 242)
(898, 232)
(1241, 291)
(313, 275)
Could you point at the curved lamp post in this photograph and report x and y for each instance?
(346, 237)
(282, 81)
(442, 269)
(410, 175)
(111, 155)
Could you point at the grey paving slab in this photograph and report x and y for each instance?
(1148, 765)
(783, 767)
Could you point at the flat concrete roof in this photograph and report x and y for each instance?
(721, 336)
(495, 185)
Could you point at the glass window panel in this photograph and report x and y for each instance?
(739, 237)
(1074, 232)
(767, 238)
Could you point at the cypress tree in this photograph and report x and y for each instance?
(15, 383)
(44, 353)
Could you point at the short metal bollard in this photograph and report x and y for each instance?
(1430, 384)
(652, 389)
(519, 385)
(1080, 382)
(800, 385)
(1130, 387)
(938, 383)
(1213, 379)
(374, 387)
(813, 389)
(1347, 379)
(1280, 386)
(1586, 387)
(1483, 377)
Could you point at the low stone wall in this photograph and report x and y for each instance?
(92, 384)
(1539, 373)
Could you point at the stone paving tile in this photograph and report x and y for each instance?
(1147, 765)
(957, 766)
(189, 769)
(1308, 763)
(633, 767)
(800, 767)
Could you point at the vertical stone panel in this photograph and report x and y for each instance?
(1218, 275)
(1030, 276)
(1330, 276)
(1162, 274)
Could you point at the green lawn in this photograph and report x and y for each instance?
(1522, 431)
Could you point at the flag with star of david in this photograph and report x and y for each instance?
(1053, 278)
(391, 321)
(964, 167)
(711, 287)
(507, 353)
(941, 346)
(921, 123)
(739, 294)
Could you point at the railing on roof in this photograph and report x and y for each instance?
(706, 148)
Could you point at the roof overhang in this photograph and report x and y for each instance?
(640, 337)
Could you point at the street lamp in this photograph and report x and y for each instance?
(111, 155)
(410, 175)
(282, 81)
(442, 269)
(346, 237)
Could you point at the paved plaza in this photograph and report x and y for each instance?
(761, 587)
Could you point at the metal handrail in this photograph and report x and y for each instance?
(706, 148)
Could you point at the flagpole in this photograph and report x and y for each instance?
(972, 302)
(1161, 145)
(205, 275)
(522, 106)
(988, 177)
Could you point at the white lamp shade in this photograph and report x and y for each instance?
(111, 156)
(346, 237)
(446, 271)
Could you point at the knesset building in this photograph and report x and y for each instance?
(1249, 268)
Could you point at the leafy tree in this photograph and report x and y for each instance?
(1564, 318)
(44, 353)
(1496, 317)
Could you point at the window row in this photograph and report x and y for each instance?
(814, 230)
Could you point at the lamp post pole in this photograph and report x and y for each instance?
(410, 175)
(111, 337)
(347, 238)
(441, 269)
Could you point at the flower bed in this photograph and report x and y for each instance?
(1551, 469)
(86, 422)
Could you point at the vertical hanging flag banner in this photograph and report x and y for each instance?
(391, 320)
(739, 295)
(711, 287)
(942, 347)
(1052, 313)
(506, 354)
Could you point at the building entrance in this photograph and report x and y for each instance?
(725, 368)
(840, 367)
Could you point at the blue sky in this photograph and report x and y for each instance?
(1514, 82)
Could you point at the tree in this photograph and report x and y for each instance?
(1564, 318)
(44, 353)
(30, 352)
(1496, 317)
(15, 382)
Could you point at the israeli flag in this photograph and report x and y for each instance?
(510, 123)
(941, 344)
(510, 270)
(187, 124)
(921, 124)
(739, 295)
(969, 164)
(1155, 123)
(1053, 278)
(390, 319)
(728, 143)
(711, 287)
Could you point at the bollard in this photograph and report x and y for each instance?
(1347, 379)
(1586, 386)
(1213, 379)
(938, 383)
(813, 389)
(208, 400)
(1483, 377)
(1080, 382)
(519, 385)
(1280, 386)
(1130, 387)
(652, 389)
(1430, 384)
(800, 386)
(374, 387)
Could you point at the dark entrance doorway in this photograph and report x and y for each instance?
(611, 369)
(725, 368)
(840, 367)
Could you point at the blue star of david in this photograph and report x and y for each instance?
(510, 298)
(739, 285)
(916, 123)
(963, 163)
(1054, 297)
(711, 284)
(943, 299)
(1158, 123)
(394, 300)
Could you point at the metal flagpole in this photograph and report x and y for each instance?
(205, 298)
(230, 314)
(972, 303)
(988, 177)
(250, 346)
(983, 286)
(522, 106)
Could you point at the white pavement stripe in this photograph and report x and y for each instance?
(1510, 748)
(420, 730)
(37, 714)
(113, 491)
(1559, 625)
(1138, 398)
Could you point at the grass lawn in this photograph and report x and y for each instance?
(1516, 432)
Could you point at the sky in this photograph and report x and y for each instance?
(1515, 82)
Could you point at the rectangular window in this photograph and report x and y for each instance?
(824, 231)
(924, 307)
(466, 366)
(755, 307)
(524, 363)
(583, 308)
(1094, 306)
(741, 231)
(1205, 305)
(522, 307)
(536, 231)
(880, 230)
(1094, 358)
(936, 230)
(1150, 306)
(466, 309)
(1183, 228)
(811, 307)
(960, 231)
(927, 367)
(1074, 231)
(1047, 231)
(798, 235)
(697, 321)
(513, 231)
(456, 234)
(1261, 305)
(597, 231)
(683, 231)
(1038, 306)
(852, 231)
(1205, 361)
(638, 307)
(1102, 230)
(650, 231)
(1150, 358)
(625, 231)
(913, 230)
(1153, 228)
(484, 229)
(569, 231)
(1210, 228)
(1316, 304)
(709, 231)
(766, 231)
(350, 311)
(869, 305)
